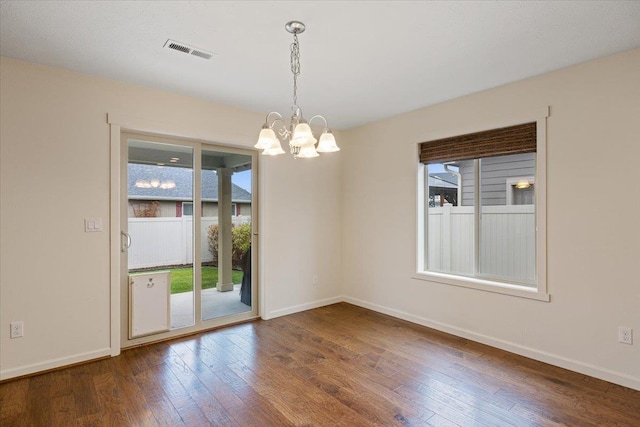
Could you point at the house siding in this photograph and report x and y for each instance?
(172, 209)
(493, 177)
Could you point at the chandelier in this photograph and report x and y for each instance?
(302, 143)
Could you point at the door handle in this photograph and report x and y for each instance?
(126, 242)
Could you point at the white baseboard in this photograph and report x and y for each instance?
(53, 363)
(552, 359)
(302, 307)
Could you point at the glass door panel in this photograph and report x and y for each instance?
(226, 234)
(160, 220)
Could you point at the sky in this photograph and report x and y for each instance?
(242, 179)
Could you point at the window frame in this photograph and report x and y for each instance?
(539, 290)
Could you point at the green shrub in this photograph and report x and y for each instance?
(240, 243)
(212, 238)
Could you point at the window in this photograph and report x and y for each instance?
(234, 211)
(480, 213)
(187, 208)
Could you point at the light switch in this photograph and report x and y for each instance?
(92, 225)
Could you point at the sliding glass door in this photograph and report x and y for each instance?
(188, 235)
(226, 223)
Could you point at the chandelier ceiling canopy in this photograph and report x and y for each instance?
(302, 143)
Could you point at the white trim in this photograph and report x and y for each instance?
(518, 290)
(54, 363)
(115, 240)
(542, 356)
(196, 211)
(541, 204)
(302, 307)
(421, 213)
(521, 291)
(170, 133)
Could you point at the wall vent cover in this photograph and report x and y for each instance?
(185, 48)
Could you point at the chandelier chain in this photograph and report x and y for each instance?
(295, 67)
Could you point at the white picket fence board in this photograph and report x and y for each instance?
(157, 242)
(507, 241)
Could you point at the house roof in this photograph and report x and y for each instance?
(443, 179)
(183, 178)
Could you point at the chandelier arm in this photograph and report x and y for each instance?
(269, 115)
(326, 125)
(282, 130)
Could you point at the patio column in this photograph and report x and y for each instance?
(225, 281)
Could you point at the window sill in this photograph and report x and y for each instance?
(483, 285)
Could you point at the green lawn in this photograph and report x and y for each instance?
(182, 278)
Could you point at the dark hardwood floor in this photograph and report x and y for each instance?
(336, 365)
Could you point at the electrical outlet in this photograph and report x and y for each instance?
(316, 280)
(17, 329)
(625, 335)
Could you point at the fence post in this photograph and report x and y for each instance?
(445, 228)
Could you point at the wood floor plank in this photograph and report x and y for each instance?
(304, 400)
(328, 368)
(188, 410)
(157, 401)
(64, 411)
(13, 400)
(84, 390)
(40, 411)
(131, 393)
(115, 411)
(240, 401)
(540, 419)
(338, 365)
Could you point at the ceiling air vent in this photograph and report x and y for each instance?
(181, 47)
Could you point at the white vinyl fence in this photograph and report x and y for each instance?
(507, 241)
(157, 242)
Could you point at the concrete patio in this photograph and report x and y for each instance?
(214, 304)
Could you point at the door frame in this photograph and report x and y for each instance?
(118, 298)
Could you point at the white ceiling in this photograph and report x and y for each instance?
(360, 61)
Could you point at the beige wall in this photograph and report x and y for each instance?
(54, 151)
(593, 249)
